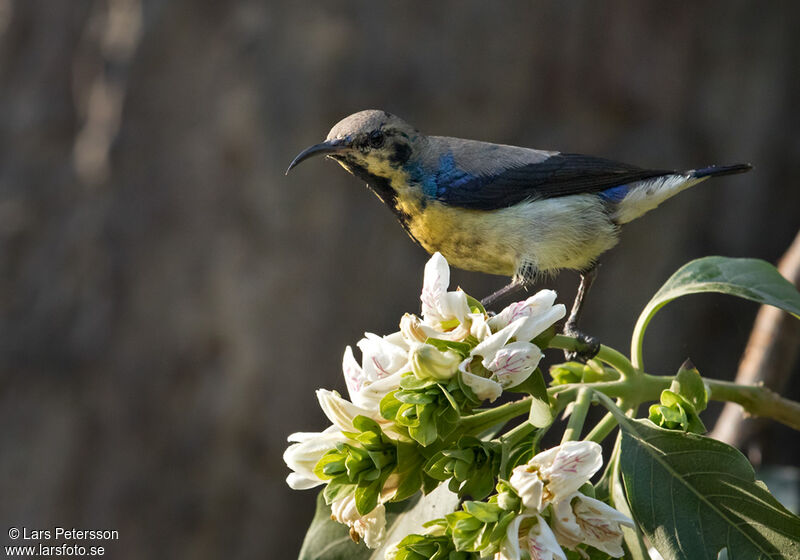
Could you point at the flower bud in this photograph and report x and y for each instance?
(508, 500)
(427, 362)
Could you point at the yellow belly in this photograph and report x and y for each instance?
(545, 235)
(465, 238)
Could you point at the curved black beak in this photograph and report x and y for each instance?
(327, 147)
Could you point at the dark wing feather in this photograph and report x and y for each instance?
(558, 175)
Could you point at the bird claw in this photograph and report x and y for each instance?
(588, 346)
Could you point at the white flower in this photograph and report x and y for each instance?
(507, 363)
(370, 527)
(510, 363)
(513, 363)
(446, 315)
(384, 364)
(341, 411)
(557, 473)
(581, 519)
(305, 453)
(414, 331)
(535, 537)
(380, 357)
(309, 447)
(479, 326)
(438, 305)
(428, 362)
(538, 310)
(483, 387)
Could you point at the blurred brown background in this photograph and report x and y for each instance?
(169, 300)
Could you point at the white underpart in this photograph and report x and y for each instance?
(554, 233)
(646, 195)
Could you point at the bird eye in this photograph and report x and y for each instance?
(376, 139)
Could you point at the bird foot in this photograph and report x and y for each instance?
(588, 346)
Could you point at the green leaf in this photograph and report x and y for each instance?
(540, 415)
(474, 305)
(693, 496)
(367, 496)
(484, 512)
(460, 348)
(632, 537)
(389, 406)
(543, 339)
(424, 432)
(751, 279)
(689, 384)
(328, 540)
(338, 488)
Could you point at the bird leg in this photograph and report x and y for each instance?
(511, 288)
(590, 345)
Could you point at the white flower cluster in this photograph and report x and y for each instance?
(502, 356)
(553, 477)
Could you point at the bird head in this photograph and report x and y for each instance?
(369, 142)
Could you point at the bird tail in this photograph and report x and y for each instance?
(649, 193)
(719, 170)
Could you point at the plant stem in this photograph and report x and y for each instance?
(476, 423)
(602, 429)
(636, 387)
(606, 354)
(515, 435)
(578, 415)
(757, 400)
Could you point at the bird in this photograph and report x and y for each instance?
(500, 209)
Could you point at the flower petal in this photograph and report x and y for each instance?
(528, 486)
(600, 524)
(542, 543)
(509, 548)
(567, 467)
(414, 331)
(482, 387)
(434, 287)
(514, 363)
(370, 527)
(455, 306)
(340, 411)
(537, 312)
(439, 305)
(354, 376)
(304, 455)
(370, 396)
(479, 326)
(565, 526)
(381, 358)
(488, 347)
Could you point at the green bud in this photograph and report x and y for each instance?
(689, 385)
(428, 547)
(427, 362)
(472, 467)
(479, 527)
(566, 373)
(361, 468)
(576, 372)
(509, 501)
(676, 413)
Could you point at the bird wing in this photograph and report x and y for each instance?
(557, 175)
